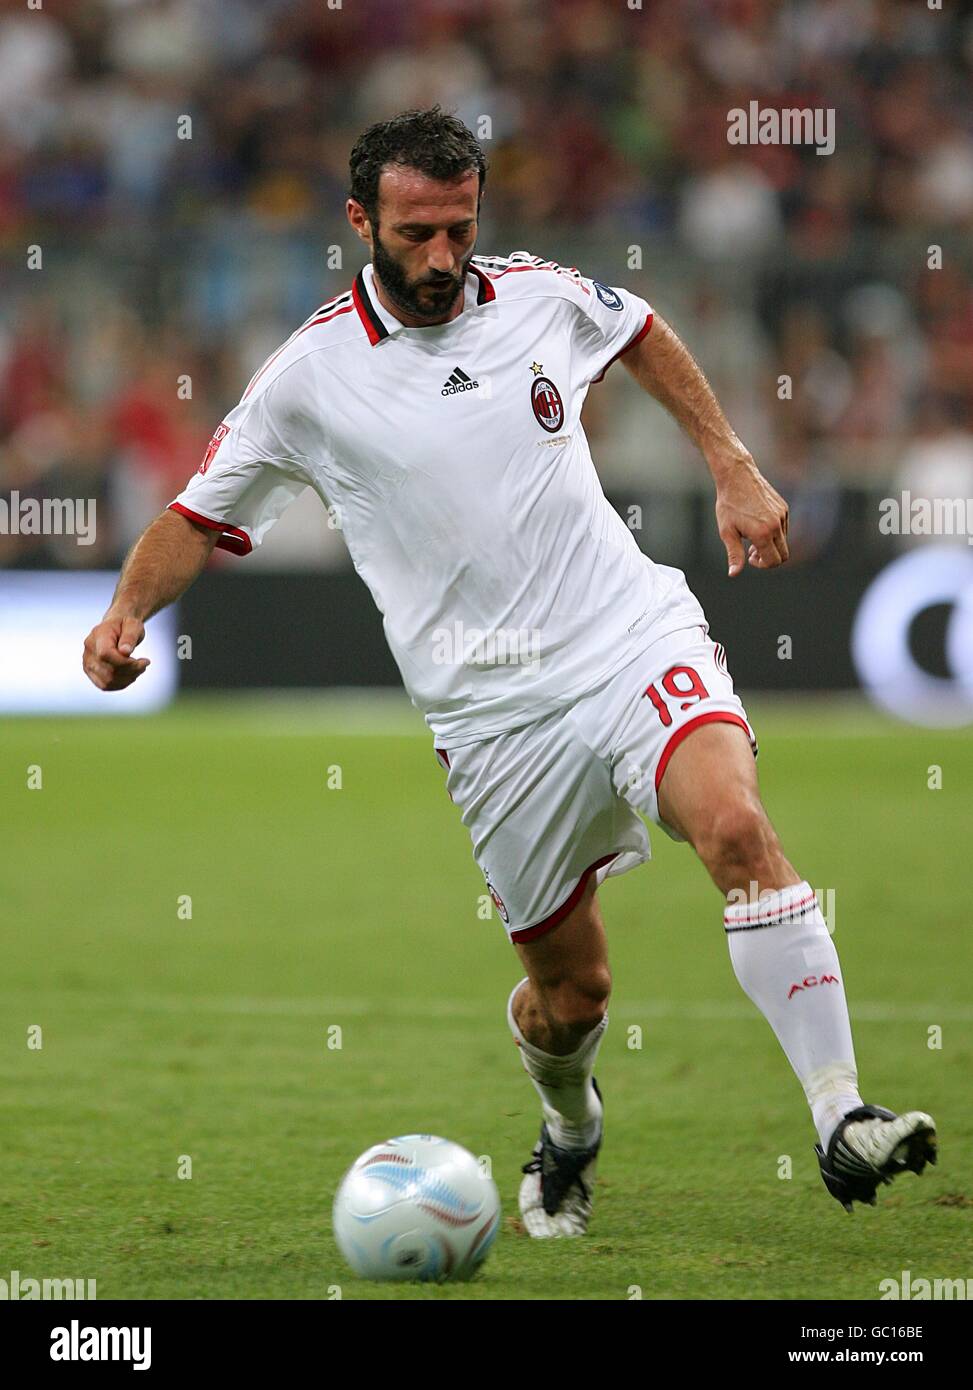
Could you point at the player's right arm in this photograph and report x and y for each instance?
(253, 469)
(165, 560)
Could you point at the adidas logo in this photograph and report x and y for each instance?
(458, 381)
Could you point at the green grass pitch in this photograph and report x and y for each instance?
(315, 906)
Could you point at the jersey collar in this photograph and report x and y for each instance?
(379, 323)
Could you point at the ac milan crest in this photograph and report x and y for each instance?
(547, 405)
(497, 900)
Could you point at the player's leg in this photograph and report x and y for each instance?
(709, 795)
(546, 826)
(784, 956)
(558, 1016)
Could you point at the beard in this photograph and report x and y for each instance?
(430, 298)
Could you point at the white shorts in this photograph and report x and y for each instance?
(553, 802)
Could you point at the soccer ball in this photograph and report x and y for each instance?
(416, 1207)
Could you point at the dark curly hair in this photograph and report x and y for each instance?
(432, 141)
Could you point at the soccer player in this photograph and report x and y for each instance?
(570, 683)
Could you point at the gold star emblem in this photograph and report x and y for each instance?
(536, 368)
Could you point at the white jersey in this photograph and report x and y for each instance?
(455, 462)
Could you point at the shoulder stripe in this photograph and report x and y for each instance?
(333, 303)
(496, 267)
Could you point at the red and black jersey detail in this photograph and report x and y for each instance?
(486, 293)
(374, 326)
(499, 266)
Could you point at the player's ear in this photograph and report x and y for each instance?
(359, 219)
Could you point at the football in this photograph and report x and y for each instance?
(416, 1207)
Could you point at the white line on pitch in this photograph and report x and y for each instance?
(332, 1009)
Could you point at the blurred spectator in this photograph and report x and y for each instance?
(182, 165)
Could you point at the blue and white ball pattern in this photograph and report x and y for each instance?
(416, 1207)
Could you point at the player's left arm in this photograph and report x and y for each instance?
(747, 507)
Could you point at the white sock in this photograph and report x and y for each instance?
(786, 962)
(571, 1107)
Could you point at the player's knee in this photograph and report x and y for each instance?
(738, 839)
(578, 1003)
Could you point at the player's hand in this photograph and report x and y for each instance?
(108, 661)
(749, 509)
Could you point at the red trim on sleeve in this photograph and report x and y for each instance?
(713, 716)
(234, 540)
(621, 352)
(558, 916)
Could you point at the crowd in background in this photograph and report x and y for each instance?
(176, 253)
